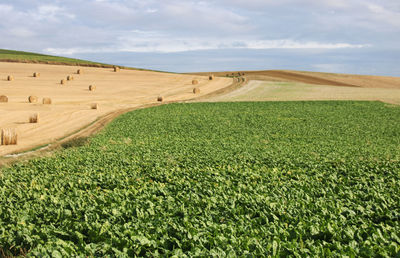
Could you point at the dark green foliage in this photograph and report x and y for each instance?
(228, 179)
(76, 142)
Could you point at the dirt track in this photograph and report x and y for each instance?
(70, 115)
(115, 93)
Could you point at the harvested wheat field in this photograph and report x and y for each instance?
(71, 107)
(291, 91)
(280, 85)
(318, 78)
(363, 81)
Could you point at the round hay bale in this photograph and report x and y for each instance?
(95, 106)
(211, 77)
(63, 82)
(32, 99)
(70, 78)
(3, 99)
(46, 101)
(160, 98)
(9, 136)
(116, 69)
(34, 119)
(10, 78)
(195, 82)
(80, 71)
(92, 88)
(196, 90)
(36, 74)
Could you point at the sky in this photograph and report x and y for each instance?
(342, 36)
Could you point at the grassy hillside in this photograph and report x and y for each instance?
(28, 57)
(225, 179)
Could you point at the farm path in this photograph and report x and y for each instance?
(71, 110)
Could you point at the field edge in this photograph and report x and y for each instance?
(96, 126)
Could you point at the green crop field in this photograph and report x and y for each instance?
(215, 179)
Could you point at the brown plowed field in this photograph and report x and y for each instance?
(71, 108)
(332, 79)
(298, 77)
(275, 85)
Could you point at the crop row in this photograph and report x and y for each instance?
(221, 179)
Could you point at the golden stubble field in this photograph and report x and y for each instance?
(280, 85)
(71, 107)
(318, 78)
(257, 90)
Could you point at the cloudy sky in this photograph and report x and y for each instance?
(351, 36)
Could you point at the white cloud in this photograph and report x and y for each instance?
(5, 8)
(168, 26)
(21, 32)
(290, 44)
(383, 15)
(151, 43)
(151, 10)
(50, 13)
(251, 4)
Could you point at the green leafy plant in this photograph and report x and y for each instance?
(75, 142)
(216, 179)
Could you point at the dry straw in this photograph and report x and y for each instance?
(10, 78)
(196, 90)
(160, 99)
(3, 99)
(195, 82)
(95, 106)
(9, 137)
(46, 101)
(63, 81)
(33, 119)
(70, 78)
(80, 71)
(32, 99)
(116, 69)
(92, 88)
(36, 75)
